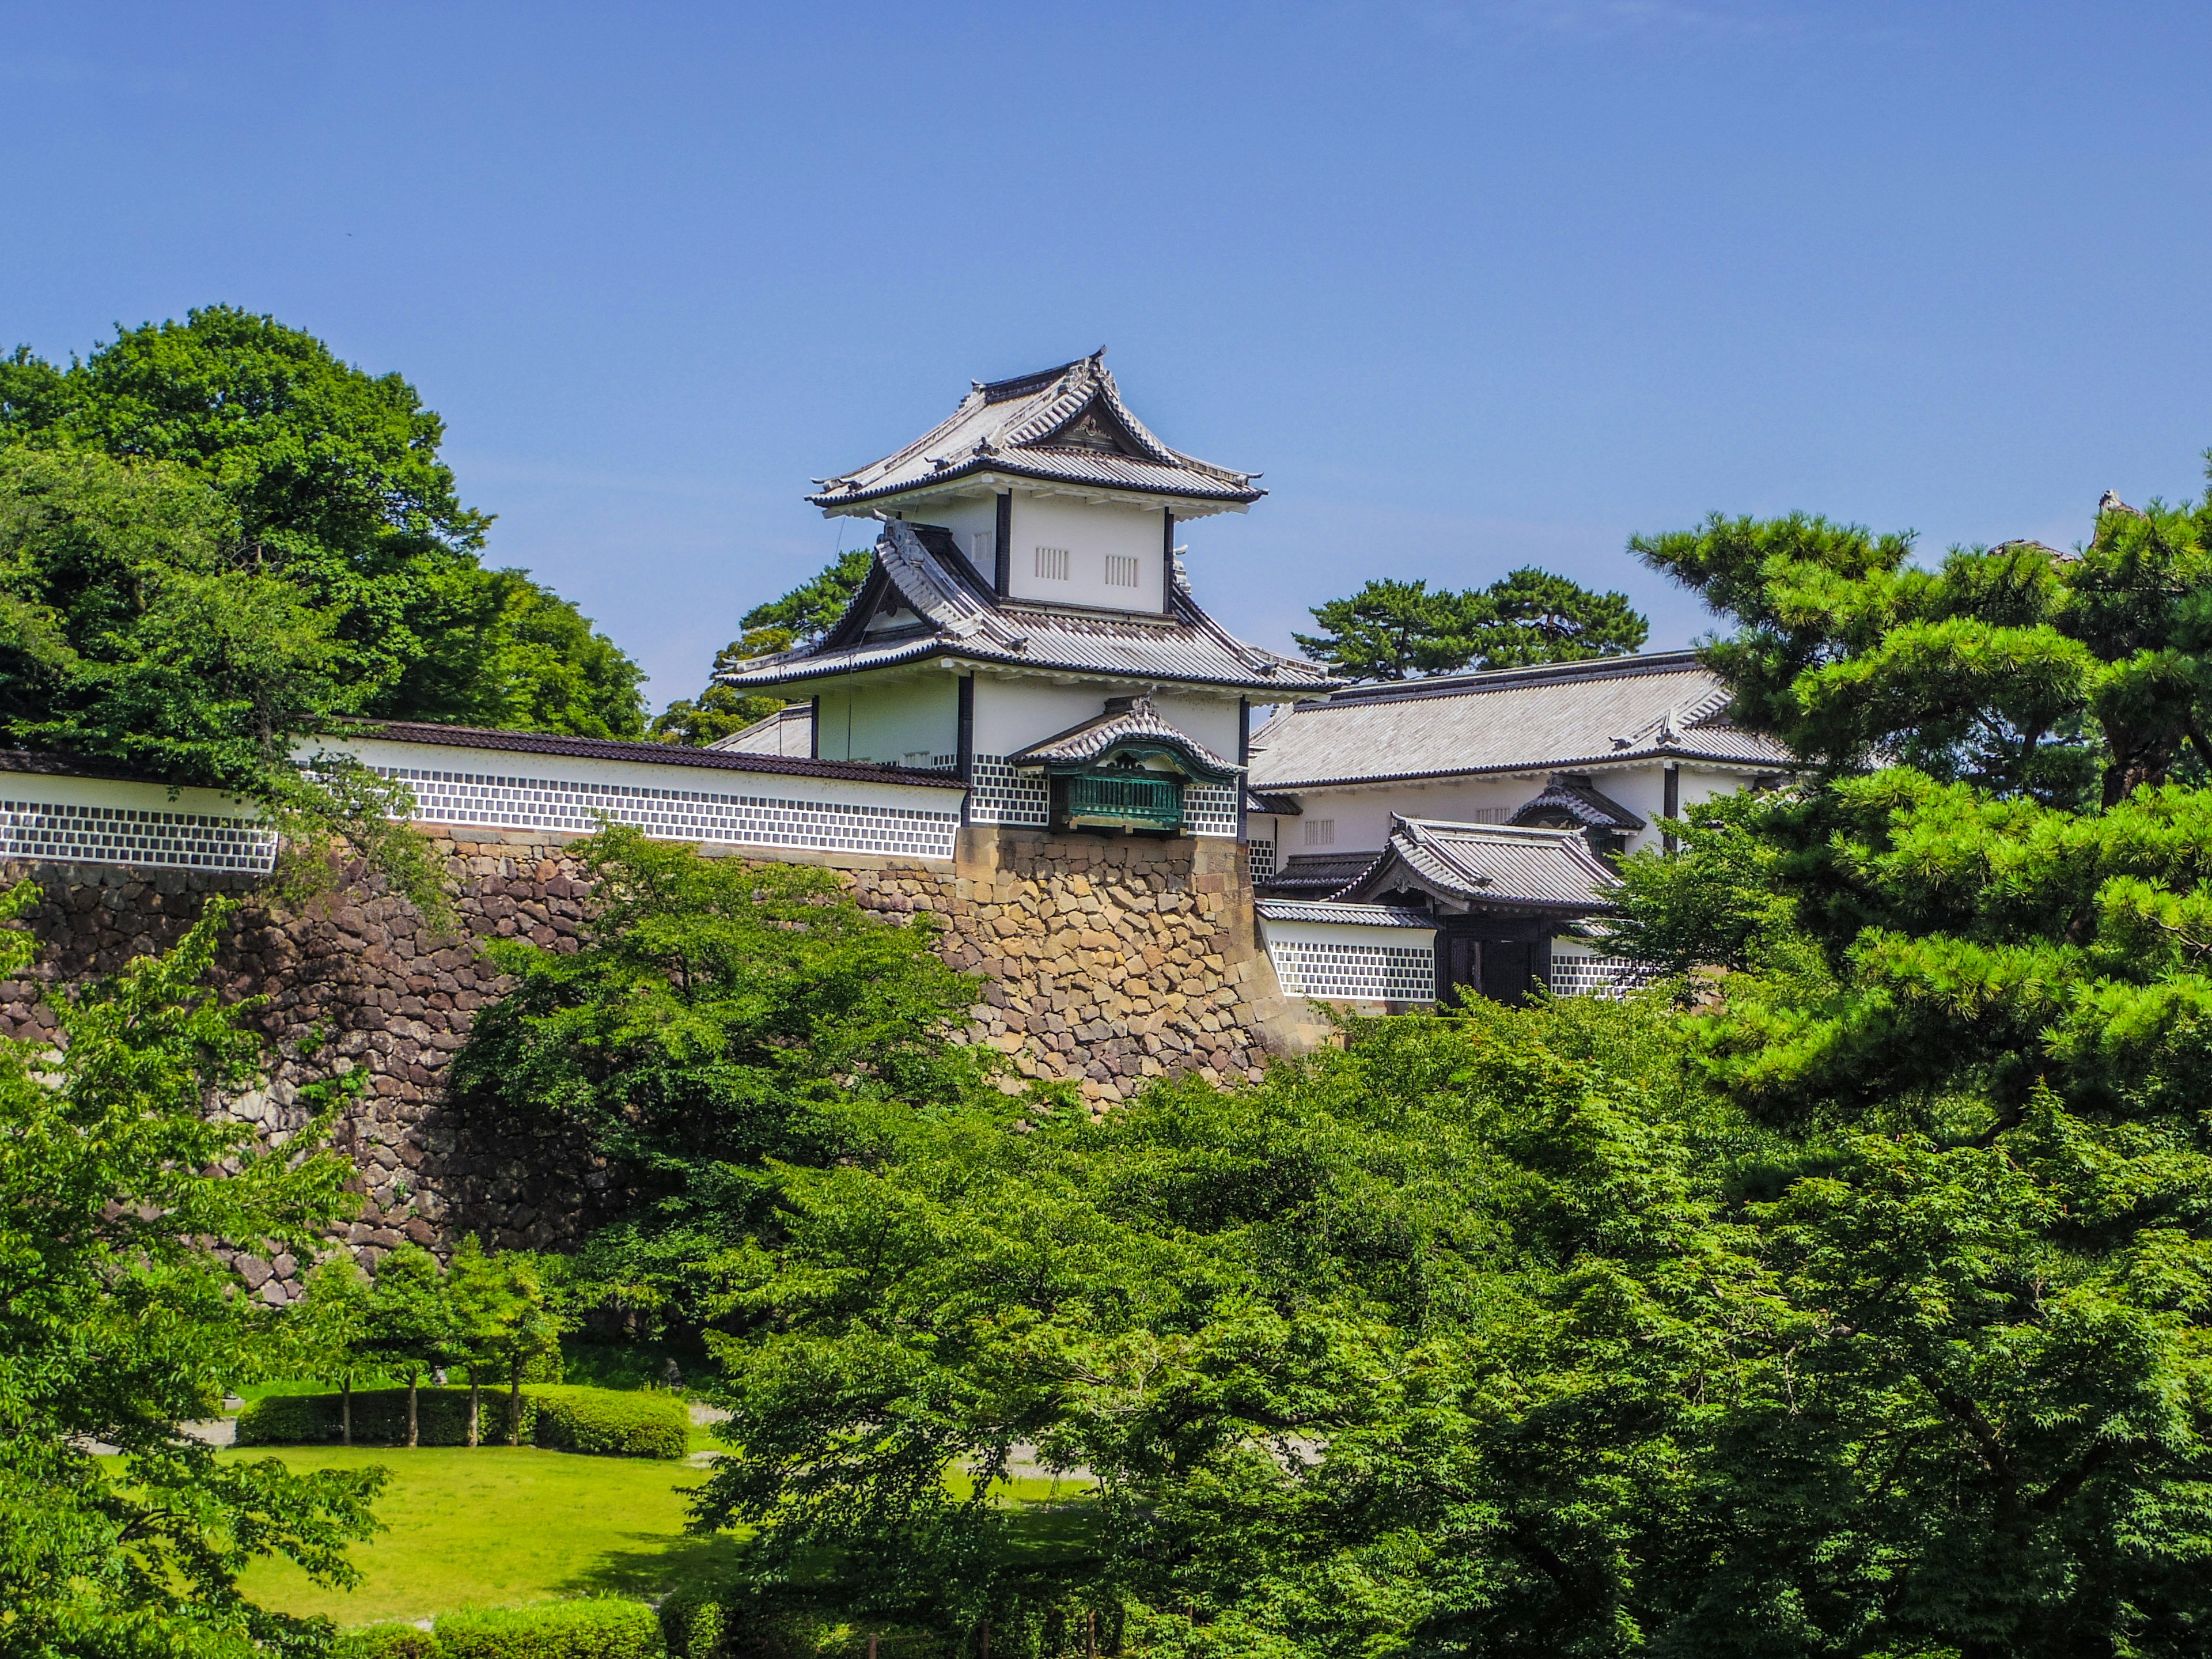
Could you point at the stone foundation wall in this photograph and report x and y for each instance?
(1106, 962)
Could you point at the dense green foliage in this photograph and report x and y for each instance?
(1393, 630)
(611, 1424)
(314, 497)
(600, 1627)
(392, 1640)
(717, 1016)
(798, 617)
(116, 1322)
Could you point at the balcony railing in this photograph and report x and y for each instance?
(1135, 801)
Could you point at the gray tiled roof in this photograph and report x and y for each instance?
(1317, 875)
(1064, 425)
(1126, 720)
(1574, 797)
(1489, 866)
(1667, 705)
(961, 617)
(655, 754)
(1348, 915)
(789, 730)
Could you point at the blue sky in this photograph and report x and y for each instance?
(1473, 284)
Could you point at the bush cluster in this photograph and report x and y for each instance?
(600, 1628)
(612, 1424)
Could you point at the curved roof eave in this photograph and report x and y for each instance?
(839, 500)
(923, 649)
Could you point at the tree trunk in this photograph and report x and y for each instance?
(414, 1384)
(476, 1407)
(345, 1409)
(514, 1406)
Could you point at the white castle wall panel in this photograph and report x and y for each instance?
(498, 789)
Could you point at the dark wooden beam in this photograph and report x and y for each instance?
(1002, 561)
(966, 742)
(1167, 563)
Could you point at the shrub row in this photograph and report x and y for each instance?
(602, 1628)
(612, 1423)
(379, 1417)
(597, 1420)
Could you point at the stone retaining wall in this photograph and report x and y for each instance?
(1106, 962)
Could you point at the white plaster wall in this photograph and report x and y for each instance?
(1089, 532)
(1013, 714)
(966, 518)
(1212, 720)
(912, 715)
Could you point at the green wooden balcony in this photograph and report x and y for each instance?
(1126, 801)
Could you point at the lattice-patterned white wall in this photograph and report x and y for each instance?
(1580, 974)
(1002, 795)
(1210, 809)
(1260, 857)
(1338, 962)
(496, 789)
(99, 821)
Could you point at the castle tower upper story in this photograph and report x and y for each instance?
(1027, 623)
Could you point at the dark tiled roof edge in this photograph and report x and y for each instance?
(43, 764)
(661, 754)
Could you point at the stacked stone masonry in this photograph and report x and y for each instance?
(1104, 963)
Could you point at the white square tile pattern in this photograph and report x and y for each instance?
(1355, 973)
(1612, 977)
(575, 806)
(139, 835)
(999, 794)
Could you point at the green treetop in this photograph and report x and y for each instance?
(799, 617)
(1392, 630)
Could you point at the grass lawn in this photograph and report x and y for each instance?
(501, 1525)
(496, 1525)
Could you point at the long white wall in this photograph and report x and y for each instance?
(501, 789)
(100, 821)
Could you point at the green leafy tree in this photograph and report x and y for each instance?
(326, 480)
(480, 1305)
(716, 1015)
(799, 617)
(539, 1313)
(1393, 630)
(412, 1324)
(812, 609)
(329, 1327)
(116, 1322)
(556, 674)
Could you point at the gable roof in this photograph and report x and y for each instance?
(1134, 723)
(1572, 796)
(919, 569)
(1487, 867)
(1559, 717)
(1060, 426)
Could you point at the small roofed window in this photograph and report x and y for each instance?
(1052, 563)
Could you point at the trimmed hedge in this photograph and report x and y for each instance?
(607, 1422)
(602, 1628)
(612, 1424)
(379, 1417)
(391, 1641)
